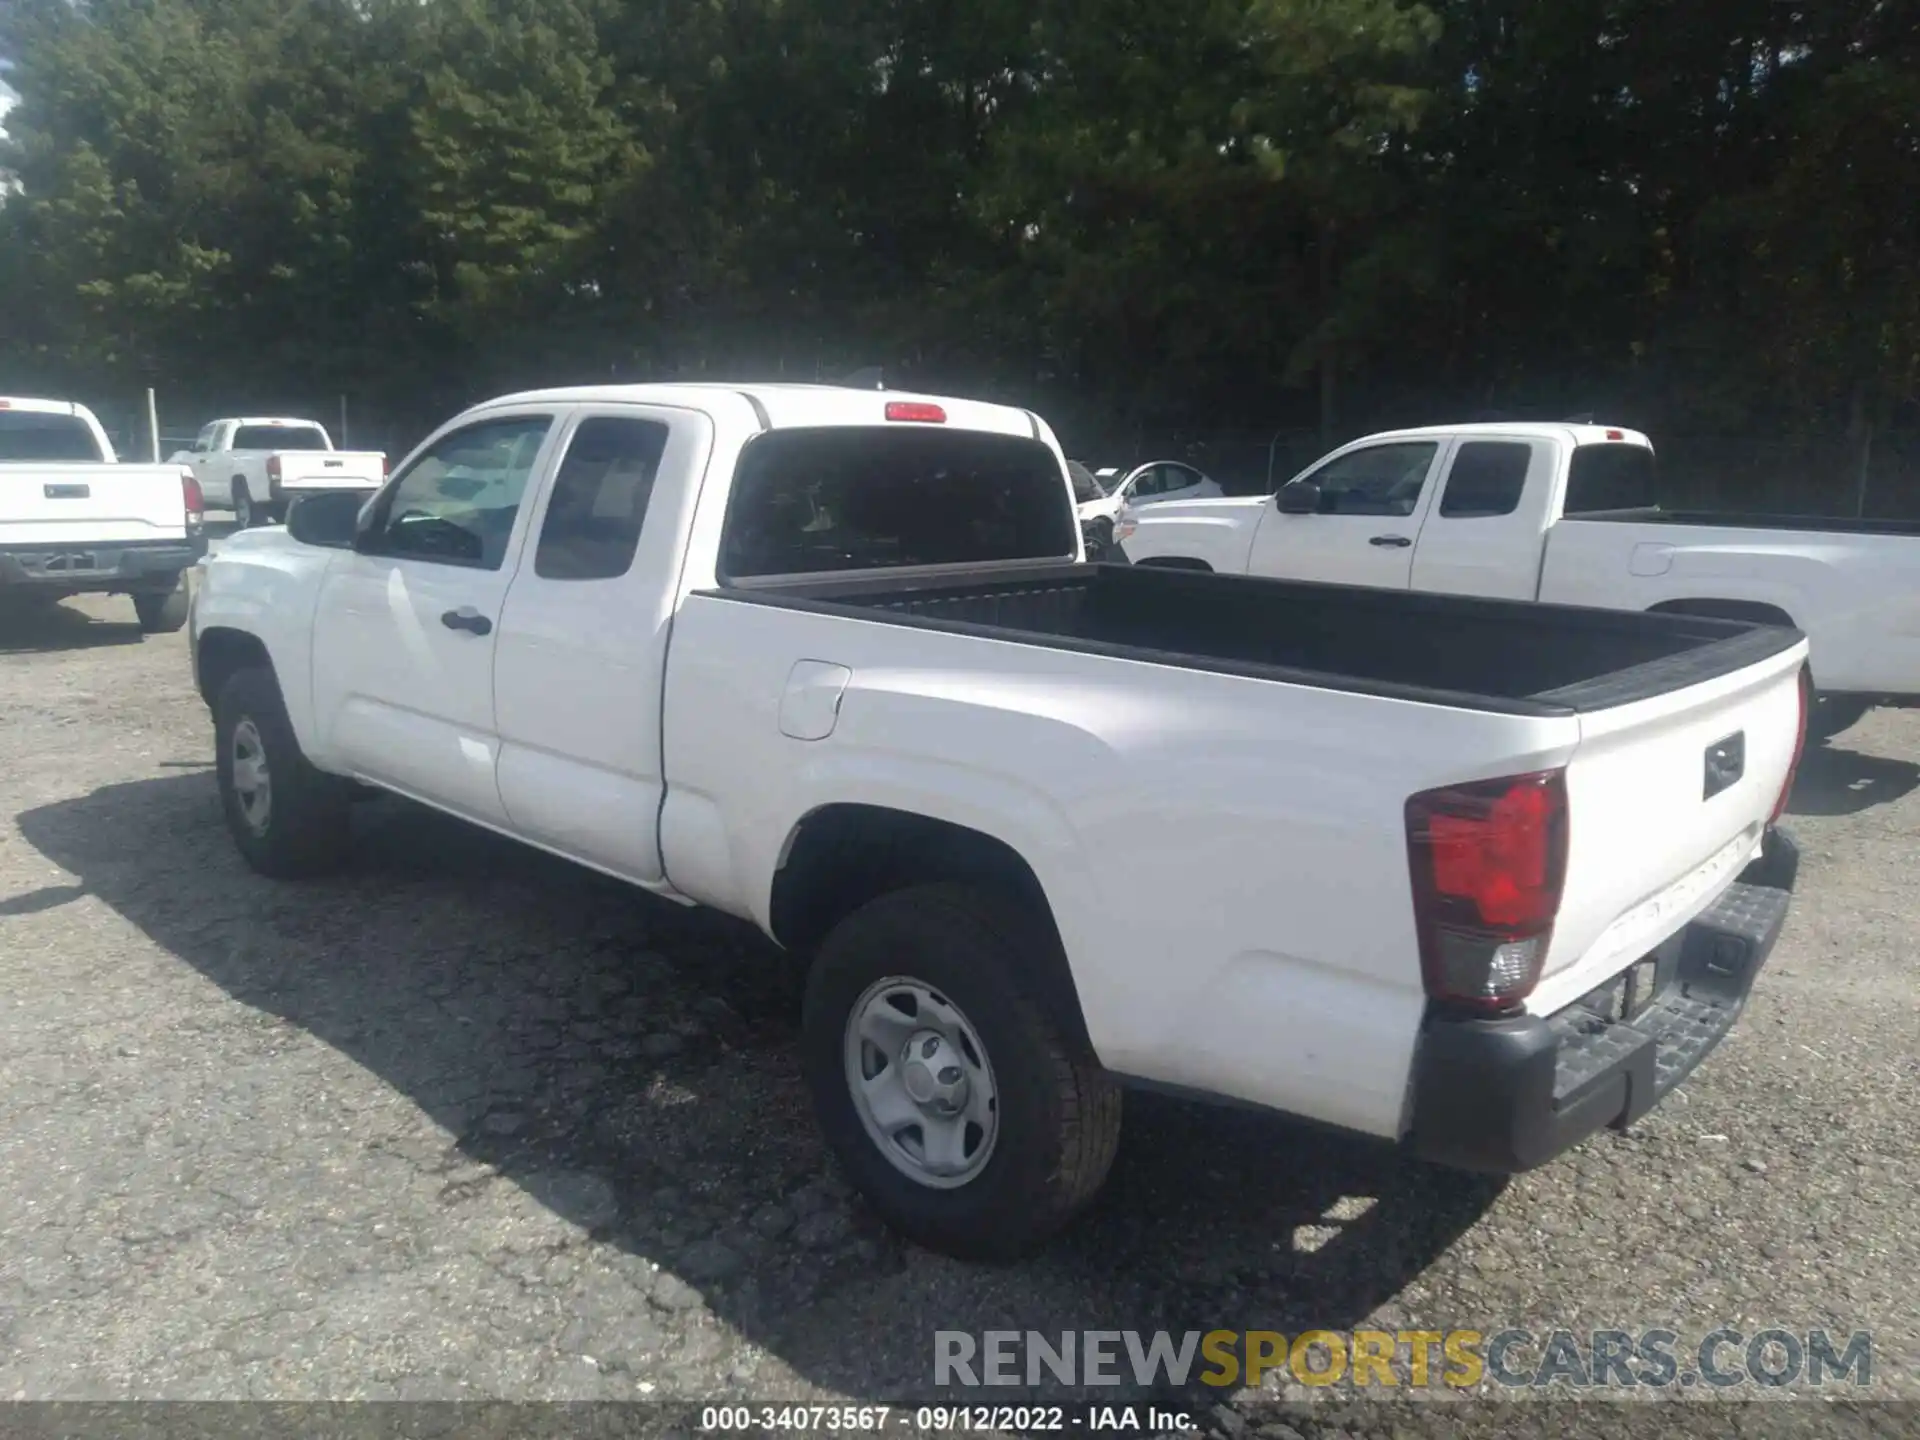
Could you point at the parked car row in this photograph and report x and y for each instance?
(1472, 874)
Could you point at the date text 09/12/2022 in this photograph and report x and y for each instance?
(943, 1419)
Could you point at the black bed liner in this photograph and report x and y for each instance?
(1818, 524)
(1507, 656)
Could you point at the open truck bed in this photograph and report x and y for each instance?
(1441, 649)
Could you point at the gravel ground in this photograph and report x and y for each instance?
(470, 1123)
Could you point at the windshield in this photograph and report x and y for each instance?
(872, 497)
(279, 437)
(36, 435)
(1085, 487)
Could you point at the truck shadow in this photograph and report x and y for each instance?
(631, 1066)
(61, 627)
(1836, 781)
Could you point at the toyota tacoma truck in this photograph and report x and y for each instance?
(1473, 876)
(74, 521)
(257, 467)
(1567, 514)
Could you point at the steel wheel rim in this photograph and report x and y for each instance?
(921, 1082)
(252, 781)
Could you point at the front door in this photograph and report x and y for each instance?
(404, 635)
(1372, 501)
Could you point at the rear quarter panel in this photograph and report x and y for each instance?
(1225, 858)
(1857, 597)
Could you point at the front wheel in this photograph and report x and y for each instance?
(288, 819)
(946, 1088)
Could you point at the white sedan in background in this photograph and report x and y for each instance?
(1147, 484)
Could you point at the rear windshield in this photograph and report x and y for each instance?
(872, 497)
(1610, 477)
(278, 437)
(33, 435)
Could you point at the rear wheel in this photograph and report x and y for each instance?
(244, 514)
(162, 612)
(288, 819)
(947, 1089)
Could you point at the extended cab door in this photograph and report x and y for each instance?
(1487, 532)
(1372, 500)
(405, 629)
(583, 639)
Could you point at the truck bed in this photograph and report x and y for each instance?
(1506, 656)
(1737, 520)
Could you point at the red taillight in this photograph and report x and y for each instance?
(386, 467)
(273, 467)
(1489, 860)
(1799, 745)
(1616, 434)
(916, 411)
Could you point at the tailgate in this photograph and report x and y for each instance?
(62, 504)
(330, 469)
(1668, 799)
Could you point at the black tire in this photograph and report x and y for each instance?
(1058, 1111)
(162, 612)
(245, 515)
(307, 825)
(1832, 715)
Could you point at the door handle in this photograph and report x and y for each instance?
(1391, 542)
(467, 619)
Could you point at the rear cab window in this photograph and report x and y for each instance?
(813, 500)
(278, 437)
(37, 435)
(1610, 476)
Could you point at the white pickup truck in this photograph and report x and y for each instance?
(74, 521)
(1476, 876)
(1566, 513)
(257, 467)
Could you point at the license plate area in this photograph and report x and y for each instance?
(1632, 992)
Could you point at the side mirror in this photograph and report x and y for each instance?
(330, 519)
(1302, 497)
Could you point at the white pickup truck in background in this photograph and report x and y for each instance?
(74, 521)
(1475, 876)
(257, 467)
(1567, 514)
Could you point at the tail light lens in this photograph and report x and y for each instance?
(273, 467)
(1489, 861)
(192, 498)
(1799, 745)
(386, 467)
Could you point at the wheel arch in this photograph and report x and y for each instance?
(842, 855)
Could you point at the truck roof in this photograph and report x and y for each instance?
(1528, 429)
(266, 420)
(40, 407)
(790, 404)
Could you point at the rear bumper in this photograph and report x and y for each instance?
(1505, 1095)
(80, 567)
